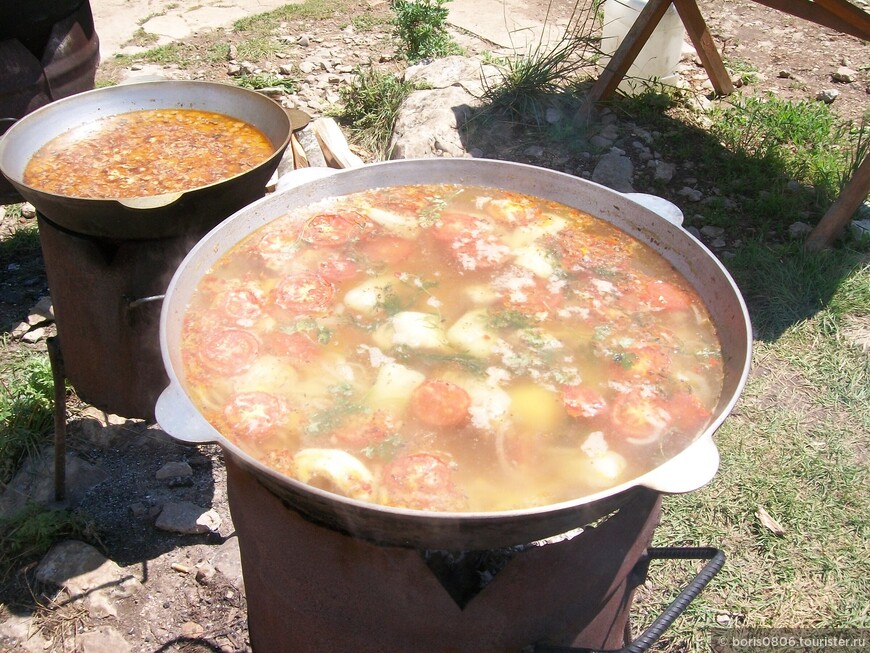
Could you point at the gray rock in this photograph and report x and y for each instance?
(173, 470)
(718, 243)
(86, 575)
(844, 75)
(427, 124)
(20, 634)
(784, 74)
(227, 560)
(286, 68)
(104, 639)
(35, 482)
(691, 194)
(828, 95)
(601, 142)
(663, 171)
(445, 72)
(614, 171)
(28, 211)
(307, 67)
(799, 229)
(187, 518)
(304, 41)
(709, 231)
(860, 230)
(534, 151)
(101, 429)
(552, 115)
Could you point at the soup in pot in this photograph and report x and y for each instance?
(449, 348)
(145, 153)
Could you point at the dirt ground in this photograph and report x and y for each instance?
(210, 616)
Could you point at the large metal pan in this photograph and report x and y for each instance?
(159, 216)
(686, 471)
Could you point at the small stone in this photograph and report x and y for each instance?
(35, 335)
(233, 52)
(198, 460)
(286, 68)
(691, 194)
(844, 75)
(784, 74)
(234, 70)
(718, 243)
(614, 171)
(709, 231)
(799, 229)
(28, 211)
(552, 115)
(187, 518)
(104, 639)
(307, 67)
(664, 171)
(534, 151)
(601, 142)
(205, 573)
(249, 68)
(191, 629)
(828, 95)
(304, 41)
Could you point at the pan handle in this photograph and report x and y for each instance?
(687, 471)
(659, 205)
(150, 202)
(177, 416)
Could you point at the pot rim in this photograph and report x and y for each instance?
(143, 202)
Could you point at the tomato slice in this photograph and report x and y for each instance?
(337, 268)
(689, 414)
(533, 298)
(583, 401)
(421, 481)
(253, 415)
(228, 351)
(440, 404)
(304, 294)
(389, 250)
(365, 429)
(334, 230)
(296, 346)
(662, 295)
(242, 305)
(646, 362)
(639, 419)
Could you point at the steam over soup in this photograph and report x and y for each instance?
(447, 348)
(145, 153)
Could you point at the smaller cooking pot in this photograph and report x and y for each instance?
(158, 216)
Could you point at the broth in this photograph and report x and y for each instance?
(451, 348)
(145, 153)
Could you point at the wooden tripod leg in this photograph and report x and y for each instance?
(703, 42)
(842, 210)
(646, 22)
(59, 378)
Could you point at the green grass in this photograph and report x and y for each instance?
(258, 82)
(28, 535)
(26, 409)
(421, 26)
(797, 444)
(369, 105)
(311, 10)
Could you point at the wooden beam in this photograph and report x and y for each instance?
(821, 15)
(613, 73)
(852, 14)
(842, 210)
(704, 45)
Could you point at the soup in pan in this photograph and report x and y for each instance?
(447, 348)
(145, 153)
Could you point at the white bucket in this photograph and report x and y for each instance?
(659, 57)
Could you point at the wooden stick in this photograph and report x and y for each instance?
(704, 45)
(300, 159)
(842, 210)
(816, 13)
(334, 145)
(643, 27)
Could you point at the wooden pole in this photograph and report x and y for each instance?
(842, 210)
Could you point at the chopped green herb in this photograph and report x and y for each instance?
(384, 449)
(465, 361)
(625, 359)
(509, 319)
